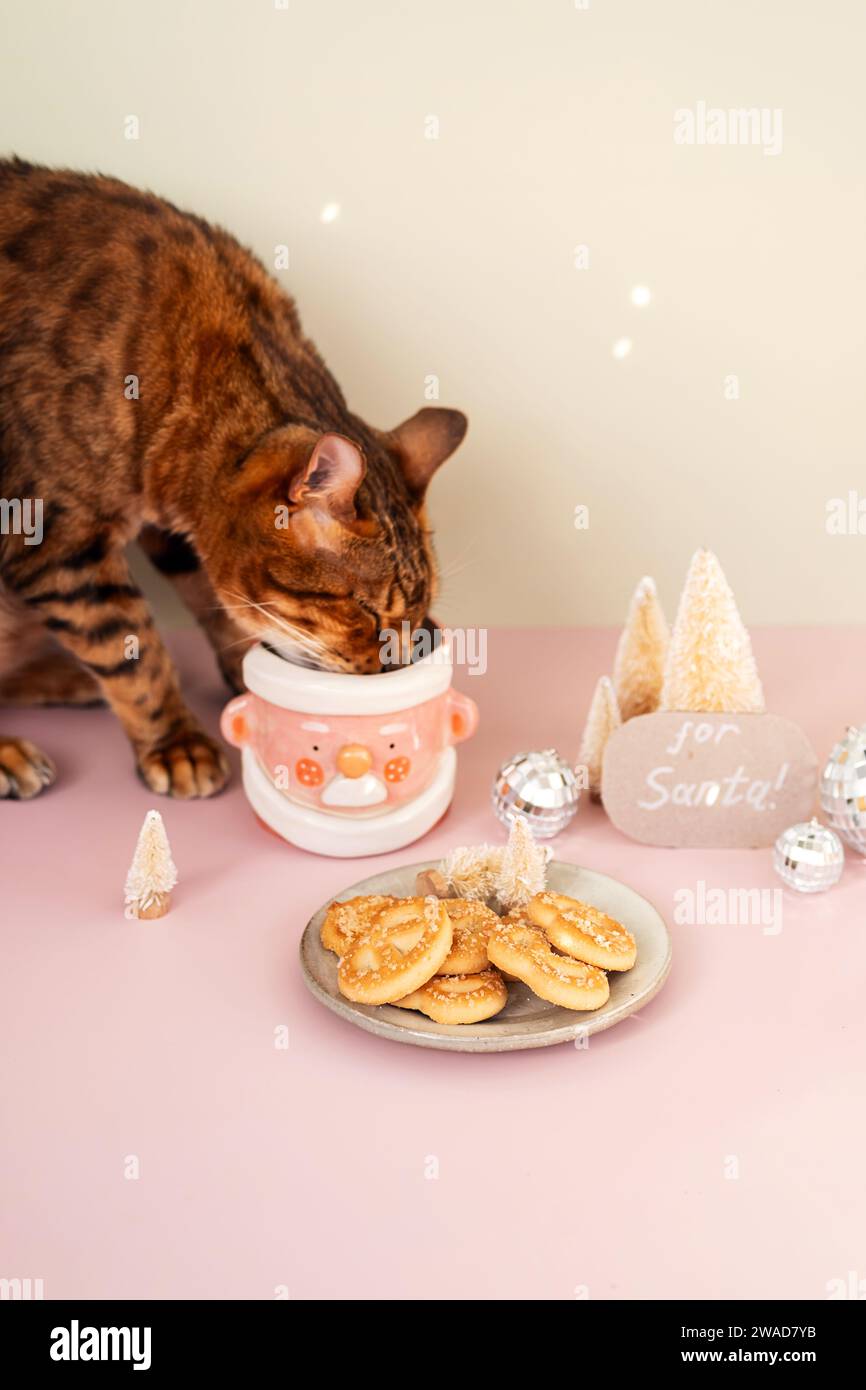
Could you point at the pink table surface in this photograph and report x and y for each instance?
(561, 1172)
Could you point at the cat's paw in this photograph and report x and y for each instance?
(25, 770)
(190, 764)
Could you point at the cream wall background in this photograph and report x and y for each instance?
(455, 256)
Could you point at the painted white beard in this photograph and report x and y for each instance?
(354, 791)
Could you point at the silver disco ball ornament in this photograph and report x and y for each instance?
(543, 787)
(809, 857)
(843, 788)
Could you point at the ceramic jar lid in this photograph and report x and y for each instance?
(306, 691)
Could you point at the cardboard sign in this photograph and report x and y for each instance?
(714, 781)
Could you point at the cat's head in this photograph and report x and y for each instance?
(327, 546)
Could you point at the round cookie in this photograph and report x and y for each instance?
(516, 917)
(525, 951)
(405, 944)
(472, 923)
(459, 998)
(583, 931)
(344, 921)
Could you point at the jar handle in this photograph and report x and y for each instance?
(236, 721)
(462, 716)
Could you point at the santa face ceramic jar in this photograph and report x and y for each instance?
(348, 765)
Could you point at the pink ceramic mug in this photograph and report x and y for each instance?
(349, 765)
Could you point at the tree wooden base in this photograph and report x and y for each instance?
(431, 883)
(158, 907)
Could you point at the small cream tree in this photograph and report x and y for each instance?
(152, 874)
(638, 668)
(523, 870)
(470, 871)
(710, 667)
(601, 721)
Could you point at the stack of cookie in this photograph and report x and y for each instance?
(450, 958)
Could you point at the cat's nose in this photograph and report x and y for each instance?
(353, 760)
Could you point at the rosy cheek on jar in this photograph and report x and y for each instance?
(309, 772)
(397, 769)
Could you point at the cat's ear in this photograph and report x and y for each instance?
(425, 441)
(330, 478)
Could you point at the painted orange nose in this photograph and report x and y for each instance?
(354, 760)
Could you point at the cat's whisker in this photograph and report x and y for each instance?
(227, 646)
(231, 607)
(253, 604)
(452, 570)
(460, 562)
(303, 640)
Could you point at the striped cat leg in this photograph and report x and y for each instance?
(24, 769)
(103, 619)
(175, 558)
(53, 678)
(34, 670)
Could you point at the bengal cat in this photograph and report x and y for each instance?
(155, 383)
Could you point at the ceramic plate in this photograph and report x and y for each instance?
(526, 1020)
